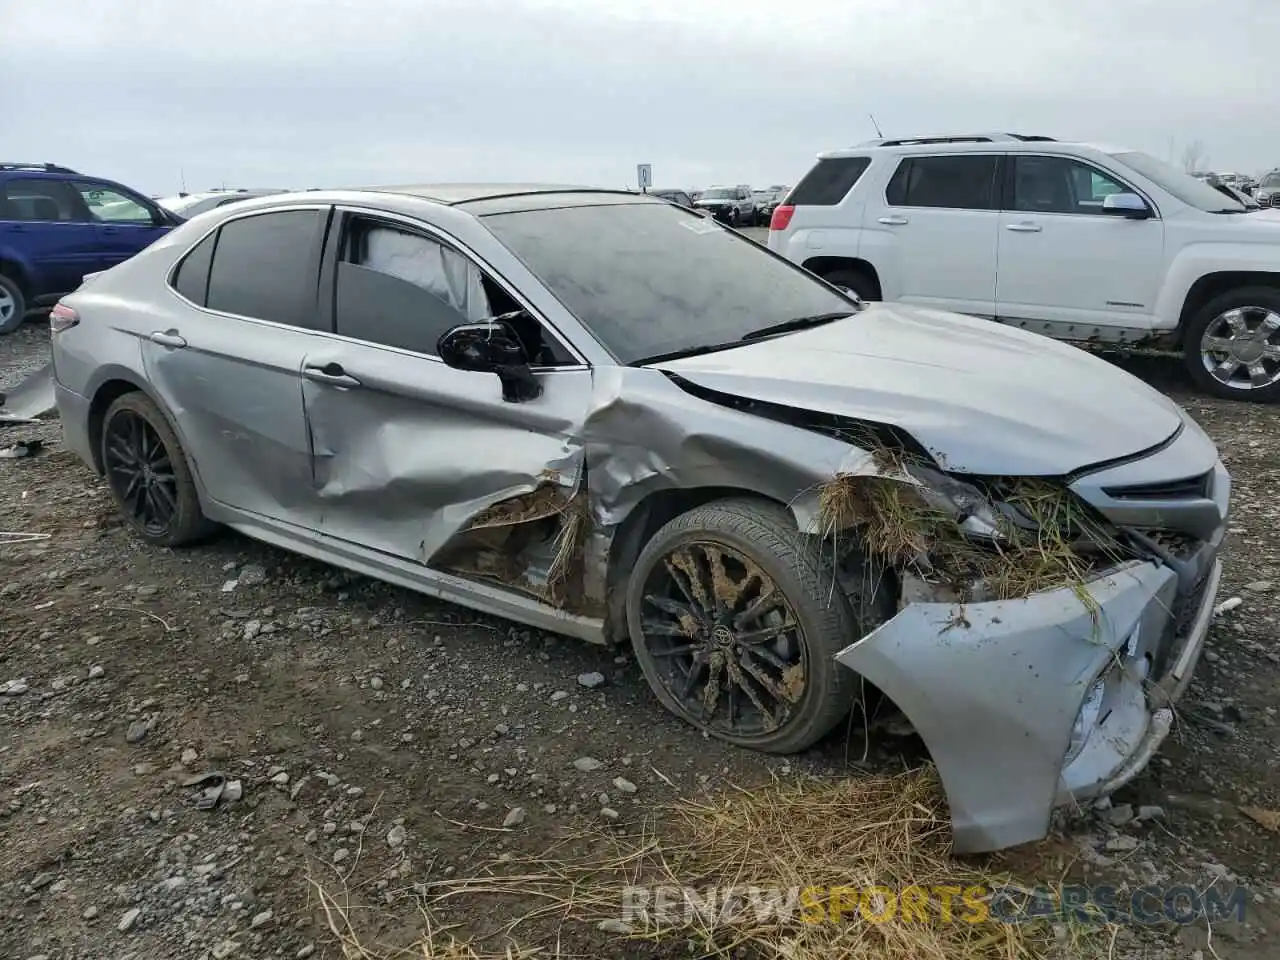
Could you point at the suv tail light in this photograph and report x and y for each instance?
(62, 317)
(781, 218)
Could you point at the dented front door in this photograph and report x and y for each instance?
(406, 451)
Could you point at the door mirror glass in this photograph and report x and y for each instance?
(491, 347)
(1126, 205)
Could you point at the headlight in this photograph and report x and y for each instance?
(1086, 719)
(972, 510)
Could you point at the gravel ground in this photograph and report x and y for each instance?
(365, 724)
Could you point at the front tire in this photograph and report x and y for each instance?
(147, 472)
(13, 305)
(735, 623)
(1231, 346)
(857, 282)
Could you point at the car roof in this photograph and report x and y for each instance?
(476, 198)
(992, 146)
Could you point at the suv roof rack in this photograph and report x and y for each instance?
(957, 138)
(42, 167)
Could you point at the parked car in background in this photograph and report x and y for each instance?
(56, 225)
(1268, 192)
(188, 205)
(983, 224)
(767, 200)
(732, 205)
(1236, 194)
(672, 195)
(411, 382)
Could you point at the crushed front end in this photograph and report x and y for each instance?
(1049, 677)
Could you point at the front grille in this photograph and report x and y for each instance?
(1180, 546)
(1189, 488)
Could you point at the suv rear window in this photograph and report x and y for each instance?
(828, 182)
(961, 182)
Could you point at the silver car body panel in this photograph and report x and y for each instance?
(388, 478)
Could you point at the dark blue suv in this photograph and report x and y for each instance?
(56, 225)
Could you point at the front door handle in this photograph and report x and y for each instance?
(168, 338)
(1023, 227)
(895, 221)
(331, 374)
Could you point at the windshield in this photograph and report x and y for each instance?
(1270, 180)
(650, 279)
(1192, 192)
(719, 195)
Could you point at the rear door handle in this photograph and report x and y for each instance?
(168, 338)
(331, 374)
(894, 221)
(1023, 227)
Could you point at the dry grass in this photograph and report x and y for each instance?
(1059, 545)
(835, 839)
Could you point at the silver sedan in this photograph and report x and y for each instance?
(600, 414)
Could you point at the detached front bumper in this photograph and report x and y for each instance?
(1030, 704)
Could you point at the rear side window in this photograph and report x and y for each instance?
(192, 277)
(829, 182)
(962, 182)
(41, 199)
(266, 267)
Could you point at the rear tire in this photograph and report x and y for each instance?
(722, 635)
(857, 282)
(13, 305)
(1232, 333)
(148, 474)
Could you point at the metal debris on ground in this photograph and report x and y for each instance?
(213, 788)
(23, 448)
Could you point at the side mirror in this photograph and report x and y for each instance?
(1127, 205)
(491, 347)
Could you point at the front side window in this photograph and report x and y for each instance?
(649, 279)
(265, 266)
(399, 288)
(959, 182)
(39, 200)
(1060, 185)
(111, 206)
(1183, 186)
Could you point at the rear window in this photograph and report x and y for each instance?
(266, 267)
(957, 182)
(829, 182)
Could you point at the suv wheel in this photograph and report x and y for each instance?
(736, 625)
(13, 305)
(853, 281)
(1232, 345)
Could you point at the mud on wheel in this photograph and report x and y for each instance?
(735, 622)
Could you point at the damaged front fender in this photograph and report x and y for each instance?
(994, 689)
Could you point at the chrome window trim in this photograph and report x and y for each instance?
(434, 232)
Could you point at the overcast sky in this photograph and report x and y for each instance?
(302, 93)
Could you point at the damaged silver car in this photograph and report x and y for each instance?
(602, 415)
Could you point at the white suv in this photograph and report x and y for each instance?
(1072, 240)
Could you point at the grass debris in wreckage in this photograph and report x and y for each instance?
(501, 542)
(1058, 543)
(844, 842)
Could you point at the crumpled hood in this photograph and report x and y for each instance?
(981, 397)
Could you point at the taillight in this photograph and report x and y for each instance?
(781, 218)
(62, 317)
